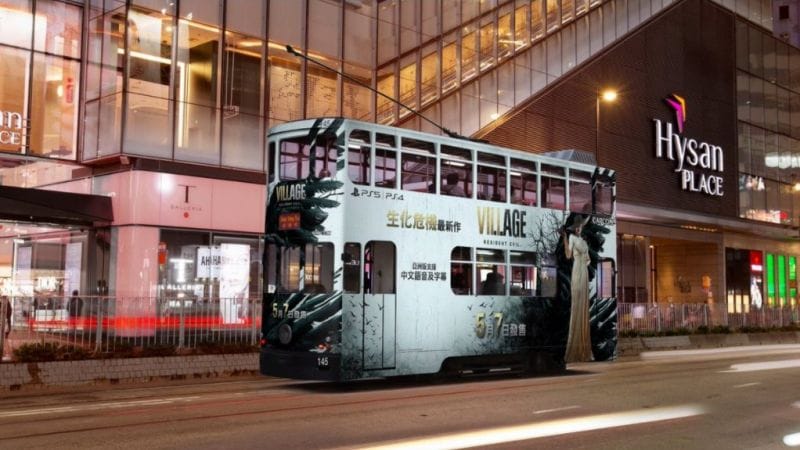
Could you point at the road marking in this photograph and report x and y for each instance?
(94, 407)
(727, 351)
(502, 435)
(792, 440)
(746, 385)
(545, 411)
(768, 365)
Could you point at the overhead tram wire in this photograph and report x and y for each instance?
(449, 133)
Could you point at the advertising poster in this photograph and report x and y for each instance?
(234, 282)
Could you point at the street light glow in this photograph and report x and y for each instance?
(609, 95)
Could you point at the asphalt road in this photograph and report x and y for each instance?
(725, 399)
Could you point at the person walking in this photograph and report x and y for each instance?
(5, 306)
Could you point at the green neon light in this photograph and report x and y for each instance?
(781, 280)
(770, 273)
(792, 268)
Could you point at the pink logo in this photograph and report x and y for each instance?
(677, 103)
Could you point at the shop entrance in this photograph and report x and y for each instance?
(662, 270)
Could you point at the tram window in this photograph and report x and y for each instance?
(491, 271)
(379, 267)
(547, 282)
(325, 162)
(491, 183)
(385, 140)
(461, 268)
(456, 153)
(580, 192)
(419, 172)
(521, 164)
(523, 273)
(352, 267)
(271, 161)
(605, 279)
(523, 188)
(492, 159)
(385, 168)
(318, 268)
(417, 145)
(553, 187)
(358, 152)
(603, 198)
(295, 159)
(456, 179)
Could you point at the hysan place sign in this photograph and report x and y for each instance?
(689, 154)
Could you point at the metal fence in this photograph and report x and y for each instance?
(680, 317)
(112, 324)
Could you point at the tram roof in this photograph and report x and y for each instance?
(566, 157)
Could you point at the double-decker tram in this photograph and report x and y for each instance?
(394, 252)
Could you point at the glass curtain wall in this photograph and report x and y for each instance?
(768, 109)
(205, 79)
(184, 84)
(40, 77)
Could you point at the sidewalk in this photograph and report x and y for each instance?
(633, 347)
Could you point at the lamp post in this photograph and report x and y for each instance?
(608, 96)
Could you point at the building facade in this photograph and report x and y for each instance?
(163, 107)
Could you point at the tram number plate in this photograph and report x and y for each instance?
(323, 363)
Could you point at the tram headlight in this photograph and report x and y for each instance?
(285, 334)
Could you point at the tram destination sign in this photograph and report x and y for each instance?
(695, 161)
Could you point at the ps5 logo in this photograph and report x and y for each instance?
(689, 154)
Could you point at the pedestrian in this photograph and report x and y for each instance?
(75, 305)
(5, 305)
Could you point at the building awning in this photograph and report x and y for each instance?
(39, 205)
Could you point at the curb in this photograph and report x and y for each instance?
(632, 347)
(24, 376)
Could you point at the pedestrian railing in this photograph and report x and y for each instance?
(111, 324)
(689, 317)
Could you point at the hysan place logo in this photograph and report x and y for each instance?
(689, 154)
(679, 105)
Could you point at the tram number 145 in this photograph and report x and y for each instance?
(323, 363)
(488, 326)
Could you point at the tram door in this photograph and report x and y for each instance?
(379, 305)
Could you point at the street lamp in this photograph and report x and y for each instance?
(608, 96)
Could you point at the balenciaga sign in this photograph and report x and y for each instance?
(690, 155)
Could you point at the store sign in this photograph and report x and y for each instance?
(11, 128)
(690, 155)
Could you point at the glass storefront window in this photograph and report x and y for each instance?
(54, 107)
(469, 52)
(386, 86)
(488, 37)
(13, 99)
(321, 83)
(16, 23)
(357, 99)
(149, 53)
(58, 28)
(429, 91)
(241, 89)
(216, 276)
(284, 90)
(245, 16)
(408, 84)
(450, 76)
(521, 29)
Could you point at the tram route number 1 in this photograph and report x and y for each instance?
(493, 324)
